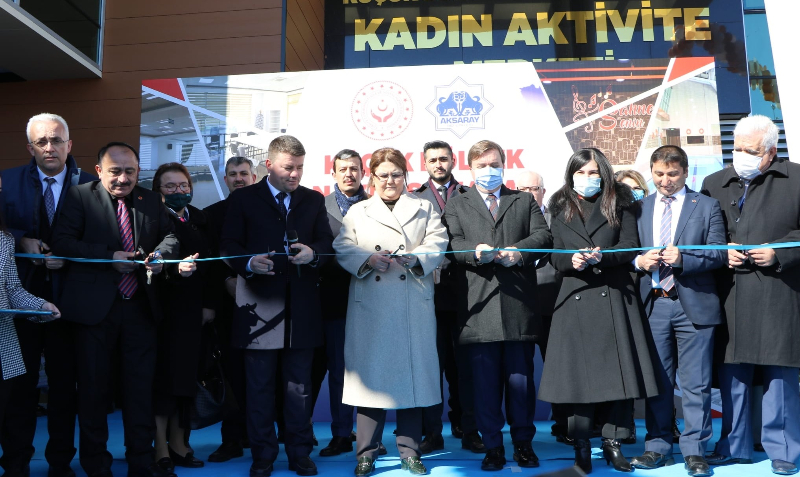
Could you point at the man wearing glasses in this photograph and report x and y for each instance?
(31, 202)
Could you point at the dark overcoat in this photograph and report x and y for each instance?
(600, 347)
(762, 304)
(496, 303)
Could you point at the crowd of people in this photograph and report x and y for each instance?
(389, 292)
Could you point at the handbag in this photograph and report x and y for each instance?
(214, 399)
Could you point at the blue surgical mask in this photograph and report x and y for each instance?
(489, 178)
(178, 200)
(586, 186)
(638, 194)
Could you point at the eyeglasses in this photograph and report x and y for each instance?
(172, 187)
(395, 176)
(530, 189)
(42, 143)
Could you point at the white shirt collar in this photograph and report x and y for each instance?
(275, 191)
(678, 195)
(60, 177)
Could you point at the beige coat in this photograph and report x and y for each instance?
(390, 353)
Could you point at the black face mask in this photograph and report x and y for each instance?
(178, 200)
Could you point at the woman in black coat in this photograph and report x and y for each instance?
(599, 353)
(188, 301)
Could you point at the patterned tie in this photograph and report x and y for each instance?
(127, 285)
(443, 193)
(492, 205)
(49, 200)
(666, 280)
(281, 197)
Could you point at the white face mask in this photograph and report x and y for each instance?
(585, 186)
(746, 165)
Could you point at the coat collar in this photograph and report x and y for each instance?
(589, 227)
(777, 167)
(333, 207)
(689, 204)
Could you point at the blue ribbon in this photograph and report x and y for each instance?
(530, 250)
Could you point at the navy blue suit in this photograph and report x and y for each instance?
(683, 325)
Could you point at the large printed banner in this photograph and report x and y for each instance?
(539, 116)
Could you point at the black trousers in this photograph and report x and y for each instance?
(129, 330)
(234, 426)
(369, 431)
(615, 416)
(261, 370)
(454, 362)
(56, 341)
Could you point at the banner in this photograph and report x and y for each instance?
(539, 116)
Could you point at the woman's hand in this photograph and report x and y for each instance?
(578, 261)
(407, 260)
(47, 306)
(187, 268)
(593, 256)
(380, 261)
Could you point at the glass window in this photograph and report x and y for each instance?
(753, 4)
(76, 21)
(765, 99)
(759, 48)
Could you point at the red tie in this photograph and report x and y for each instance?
(128, 284)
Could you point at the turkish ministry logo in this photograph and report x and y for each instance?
(382, 110)
(459, 107)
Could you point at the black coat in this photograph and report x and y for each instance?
(600, 347)
(548, 282)
(220, 271)
(496, 303)
(183, 300)
(254, 225)
(762, 304)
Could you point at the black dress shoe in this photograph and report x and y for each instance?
(166, 464)
(382, 449)
(583, 455)
(456, 431)
(696, 465)
(495, 459)
(303, 466)
(472, 442)
(524, 455)
(261, 468)
(613, 455)
(60, 471)
(721, 459)
(431, 443)
(188, 460)
(337, 446)
(226, 452)
(652, 460)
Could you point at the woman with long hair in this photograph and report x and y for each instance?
(599, 350)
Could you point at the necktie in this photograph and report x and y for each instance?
(49, 200)
(281, 204)
(127, 285)
(492, 205)
(666, 280)
(443, 193)
(744, 196)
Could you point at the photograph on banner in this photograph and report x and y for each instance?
(539, 116)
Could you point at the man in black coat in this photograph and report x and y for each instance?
(30, 204)
(285, 227)
(453, 359)
(760, 199)
(113, 219)
(496, 299)
(239, 173)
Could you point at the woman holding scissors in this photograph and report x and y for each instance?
(600, 348)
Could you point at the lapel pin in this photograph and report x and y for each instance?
(693, 200)
(140, 197)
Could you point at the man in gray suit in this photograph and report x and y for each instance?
(334, 281)
(453, 360)
(679, 294)
(496, 299)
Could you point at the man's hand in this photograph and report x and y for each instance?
(672, 256)
(380, 261)
(50, 307)
(126, 266)
(52, 263)
(508, 257)
(484, 253)
(763, 257)
(578, 261)
(304, 256)
(32, 246)
(153, 263)
(187, 268)
(208, 315)
(230, 286)
(648, 261)
(262, 265)
(735, 257)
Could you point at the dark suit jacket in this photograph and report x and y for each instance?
(254, 225)
(334, 281)
(496, 303)
(87, 228)
(700, 223)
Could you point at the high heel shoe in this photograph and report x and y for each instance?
(583, 455)
(613, 455)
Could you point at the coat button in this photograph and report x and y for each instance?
(604, 294)
(577, 297)
(377, 278)
(402, 277)
(597, 271)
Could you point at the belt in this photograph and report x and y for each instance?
(661, 293)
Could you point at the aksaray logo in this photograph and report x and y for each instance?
(459, 107)
(382, 110)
